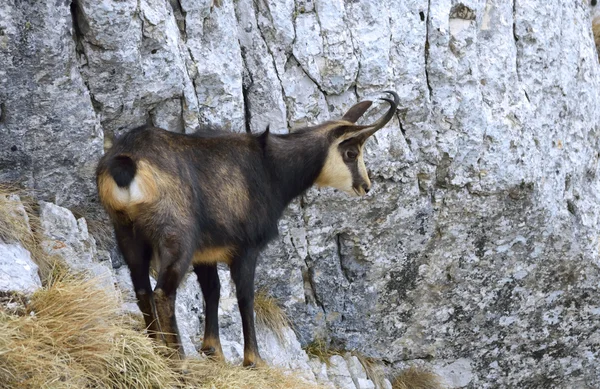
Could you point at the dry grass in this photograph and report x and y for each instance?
(320, 349)
(13, 219)
(373, 368)
(417, 378)
(596, 32)
(269, 314)
(208, 374)
(71, 334)
(21, 225)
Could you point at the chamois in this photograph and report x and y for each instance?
(196, 200)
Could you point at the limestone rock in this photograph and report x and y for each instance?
(216, 64)
(319, 370)
(51, 138)
(338, 373)
(68, 239)
(263, 90)
(457, 374)
(18, 272)
(358, 373)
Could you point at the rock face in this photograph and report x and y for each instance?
(68, 239)
(18, 272)
(51, 135)
(477, 249)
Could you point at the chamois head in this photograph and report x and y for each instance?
(344, 167)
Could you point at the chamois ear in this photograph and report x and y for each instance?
(356, 111)
(361, 133)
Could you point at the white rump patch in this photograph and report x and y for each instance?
(134, 193)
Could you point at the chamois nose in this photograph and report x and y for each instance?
(366, 187)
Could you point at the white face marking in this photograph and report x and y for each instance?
(336, 174)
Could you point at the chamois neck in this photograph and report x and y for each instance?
(297, 160)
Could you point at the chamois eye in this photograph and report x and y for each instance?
(351, 155)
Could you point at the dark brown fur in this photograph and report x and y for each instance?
(195, 200)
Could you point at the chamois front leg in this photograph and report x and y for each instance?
(211, 291)
(137, 254)
(242, 272)
(175, 259)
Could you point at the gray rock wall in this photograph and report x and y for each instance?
(477, 249)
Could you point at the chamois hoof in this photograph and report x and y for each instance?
(213, 354)
(256, 364)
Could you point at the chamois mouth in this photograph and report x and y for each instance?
(359, 192)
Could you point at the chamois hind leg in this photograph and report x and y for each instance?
(242, 272)
(211, 291)
(138, 253)
(175, 258)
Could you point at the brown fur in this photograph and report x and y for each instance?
(213, 255)
(231, 190)
(155, 190)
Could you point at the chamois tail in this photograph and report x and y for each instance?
(122, 169)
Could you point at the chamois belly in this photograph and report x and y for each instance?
(212, 255)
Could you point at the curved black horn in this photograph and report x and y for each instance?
(388, 115)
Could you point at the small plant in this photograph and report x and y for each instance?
(417, 378)
(319, 348)
(269, 314)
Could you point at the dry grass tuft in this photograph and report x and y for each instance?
(269, 314)
(320, 349)
(417, 378)
(596, 32)
(210, 374)
(71, 334)
(16, 223)
(373, 369)
(20, 224)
